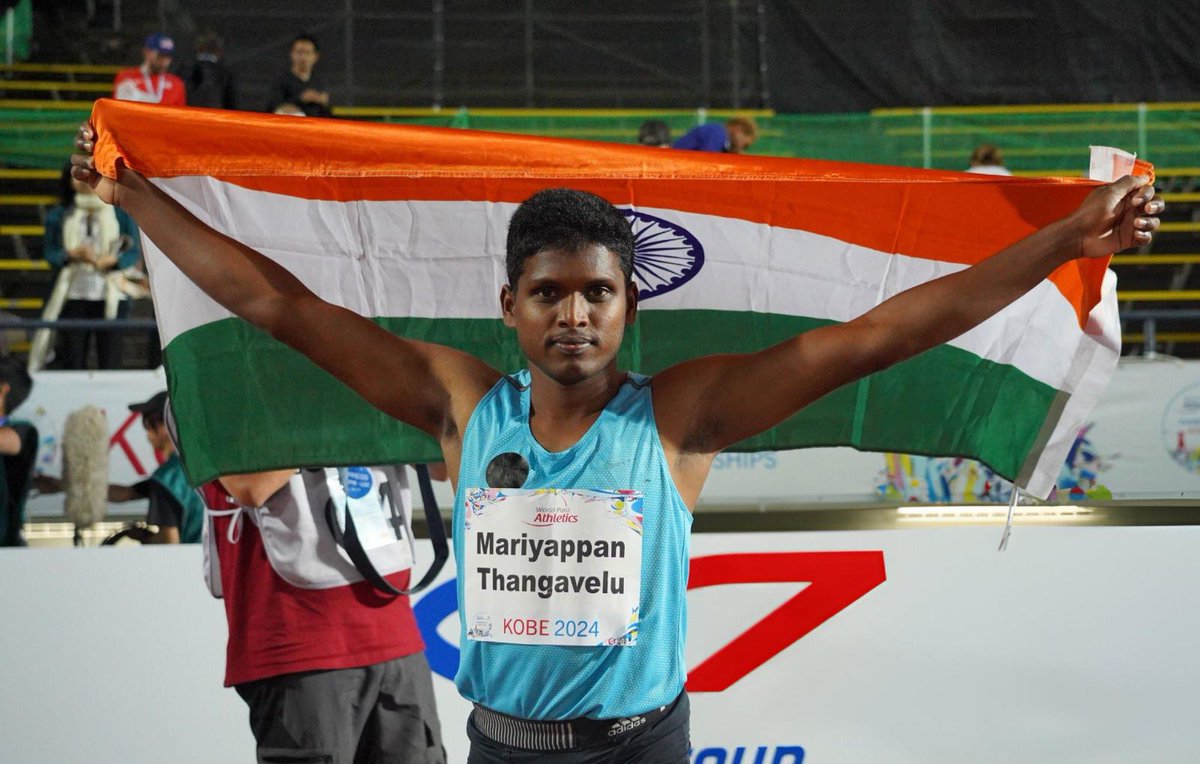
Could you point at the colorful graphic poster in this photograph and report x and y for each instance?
(1142, 441)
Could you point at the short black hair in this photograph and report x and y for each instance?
(654, 132)
(153, 419)
(14, 374)
(304, 37)
(564, 218)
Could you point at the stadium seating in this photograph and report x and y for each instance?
(41, 104)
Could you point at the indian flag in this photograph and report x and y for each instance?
(406, 225)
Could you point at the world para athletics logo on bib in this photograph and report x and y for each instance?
(665, 255)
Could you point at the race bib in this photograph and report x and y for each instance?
(552, 566)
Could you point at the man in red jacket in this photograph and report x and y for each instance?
(151, 82)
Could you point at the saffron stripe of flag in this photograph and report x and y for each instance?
(734, 253)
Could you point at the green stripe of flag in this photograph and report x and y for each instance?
(282, 410)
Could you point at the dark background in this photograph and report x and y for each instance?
(789, 55)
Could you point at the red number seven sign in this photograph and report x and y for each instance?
(835, 580)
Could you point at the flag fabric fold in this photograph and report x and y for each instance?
(406, 225)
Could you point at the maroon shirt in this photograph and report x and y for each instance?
(276, 628)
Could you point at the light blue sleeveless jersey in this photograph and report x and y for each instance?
(621, 450)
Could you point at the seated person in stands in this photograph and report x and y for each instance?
(734, 137)
(174, 507)
(654, 132)
(988, 159)
(18, 451)
(300, 84)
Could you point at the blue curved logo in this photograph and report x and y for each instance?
(437, 605)
(665, 255)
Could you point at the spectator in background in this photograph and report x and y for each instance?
(18, 451)
(734, 137)
(987, 159)
(654, 132)
(210, 83)
(289, 110)
(97, 241)
(300, 85)
(151, 82)
(174, 507)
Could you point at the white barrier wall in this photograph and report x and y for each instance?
(922, 646)
(57, 393)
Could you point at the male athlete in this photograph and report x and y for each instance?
(574, 421)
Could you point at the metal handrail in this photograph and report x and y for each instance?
(78, 87)
(109, 69)
(1149, 335)
(89, 324)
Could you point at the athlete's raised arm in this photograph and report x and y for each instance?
(707, 404)
(431, 387)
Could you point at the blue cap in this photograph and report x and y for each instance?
(160, 43)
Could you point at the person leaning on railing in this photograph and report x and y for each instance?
(91, 242)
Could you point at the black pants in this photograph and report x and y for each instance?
(379, 713)
(665, 742)
(75, 341)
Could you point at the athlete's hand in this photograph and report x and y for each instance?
(83, 166)
(1117, 216)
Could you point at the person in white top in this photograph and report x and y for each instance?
(91, 243)
(987, 159)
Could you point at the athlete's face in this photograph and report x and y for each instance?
(570, 310)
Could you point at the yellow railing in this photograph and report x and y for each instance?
(82, 87)
(1159, 295)
(14, 200)
(1041, 108)
(22, 230)
(1179, 259)
(1162, 337)
(22, 303)
(1188, 227)
(12, 264)
(13, 173)
(61, 68)
(45, 103)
